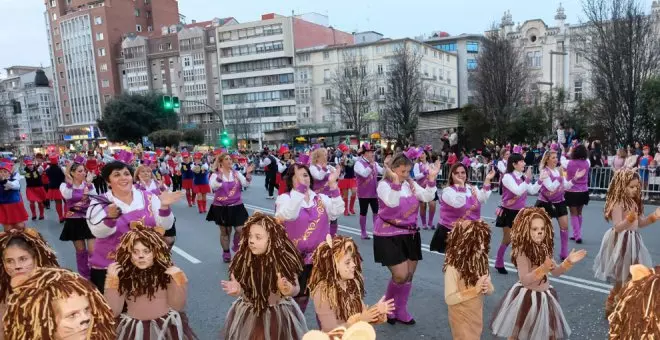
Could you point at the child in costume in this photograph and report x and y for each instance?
(466, 278)
(153, 289)
(34, 188)
(348, 183)
(637, 315)
(187, 175)
(622, 245)
(264, 278)
(358, 331)
(337, 286)
(56, 177)
(321, 172)
(530, 309)
(57, 304)
(12, 211)
(201, 185)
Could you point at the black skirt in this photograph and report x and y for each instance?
(172, 231)
(392, 250)
(302, 280)
(228, 216)
(439, 240)
(505, 219)
(76, 229)
(555, 210)
(576, 199)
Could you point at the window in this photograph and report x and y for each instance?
(63, 89)
(138, 28)
(65, 103)
(304, 57)
(104, 67)
(365, 92)
(105, 83)
(380, 68)
(578, 57)
(146, 2)
(106, 98)
(186, 61)
(101, 52)
(58, 46)
(326, 74)
(137, 12)
(326, 55)
(328, 93)
(381, 90)
(472, 47)
(450, 47)
(98, 20)
(53, 3)
(471, 64)
(99, 36)
(578, 90)
(56, 31)
(59, 60)
(150, 28)
(447, 57)
(61, 75)
(534, 59)
(54, 16)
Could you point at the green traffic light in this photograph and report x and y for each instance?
(167, 102)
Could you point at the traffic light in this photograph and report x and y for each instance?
(16, 106)
(224, 139)
(167, 103)
(175, 102)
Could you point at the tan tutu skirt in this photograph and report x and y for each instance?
(281, 321)
(526, 314)
(618, 252)
(172, 326)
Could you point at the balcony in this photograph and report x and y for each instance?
(379, 97)
(326, 100)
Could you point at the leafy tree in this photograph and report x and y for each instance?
(166, 137)
(193, 136)
(476, 127)
(128, 117)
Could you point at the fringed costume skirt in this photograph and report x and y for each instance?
(281, 321)
(172, 326)
(618, 252)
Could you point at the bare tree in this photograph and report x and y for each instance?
(351, 84)
(406, 92)
(501, 81)
(620, 43)
(239, 121)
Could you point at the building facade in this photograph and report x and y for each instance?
(85, 38)
(315, 68)
(36, 125)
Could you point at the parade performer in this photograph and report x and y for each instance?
(283, 164)
(264, 278)
(577, 196)
(110, 214)
(93, 166)
(187, 176)
(227, 210)
(201, 185)
(551, 195)
(22, 251)
(34, 191)
(358, 331)
(348, 183)
(164, 169)
(466, 278)
(267, 163)
(12, 211)
(367, 171)
(76, 190)
(501, 165)
(420, 171)
(459, 201)
(321, 171)
(174, 163)
(307, 216)
(622, 245)
(515, 188)
(637, 316)
(530, 309)
(55, 179)
(58, 304)
(144, 180)
(337, 286)
(153, 289)
(39, 162)
(397, 242)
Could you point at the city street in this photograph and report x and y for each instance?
(197, 253)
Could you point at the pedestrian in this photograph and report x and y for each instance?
(55, 179)
(515, 188)
(459, 201)
(337, 286)
(264, 277)
(578, 195)
(76, 191)
(637, 316)
(530, 309)
(347, 183)
(144, 180)
(367, 172)
(306, 216)
(397, 242)
(321, 171)
(12, 210)
(201, 185)
(187, 176)
(622, 245)
(154, 291)
(34, 191)
(466, 278)
(227, 210)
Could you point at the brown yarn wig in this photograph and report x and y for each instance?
(616, 194)
(637, 315)
(133, 281)
(257, 274)
(326, 278)
(43, 254)
(521, 238)
(463, 245)
(31, 313)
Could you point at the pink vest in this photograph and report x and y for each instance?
(366, 186)
(400, 220)
(509, 199)
(556, 196)
(579, 185)
(470, 211)
(156, 190)
(76, 206)
(309, 229)
(424, 169)
(229, 193)
(321, 186)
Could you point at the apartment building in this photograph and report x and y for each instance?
(36, 125)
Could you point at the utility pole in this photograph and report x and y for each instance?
(551, 84)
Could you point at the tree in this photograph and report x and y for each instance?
(351, 83)
(621, 45)
(651, 106)
(166, 137)
(239, 122)
(405, 92)
(476, 127)
(128, 117)
(500, 83)
(193, 136)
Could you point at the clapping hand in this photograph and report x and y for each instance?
(491, 174)
(543, 175)
(528, 173)
(576, 256)
(392, 175)
(580, 173)
(385, 307)
(334, 176)
(434, 170)
(285, 287)
(232, 287)
(168, 198)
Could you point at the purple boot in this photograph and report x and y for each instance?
(333, 228)
(226, 256)
(82, 262)
(363, 227)
(236, 242)
(499, 260)
(563, 235)
(401, 311)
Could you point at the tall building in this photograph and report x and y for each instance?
(85, 38)
(315, 68)
(36, 126)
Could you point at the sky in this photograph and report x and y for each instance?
(23, 38)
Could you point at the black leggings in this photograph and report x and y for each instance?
(97, 276)
(365, 203)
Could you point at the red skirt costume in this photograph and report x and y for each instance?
(12, 209)
(203, 188)
(54, 193)
(35, 194)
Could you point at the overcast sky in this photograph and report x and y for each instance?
(23, 31)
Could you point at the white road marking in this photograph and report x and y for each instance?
(594, 286)
(185, 255)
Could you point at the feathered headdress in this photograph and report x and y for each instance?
(303, 159)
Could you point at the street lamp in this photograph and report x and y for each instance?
(551, 83)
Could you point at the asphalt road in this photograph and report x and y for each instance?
(197, 252)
